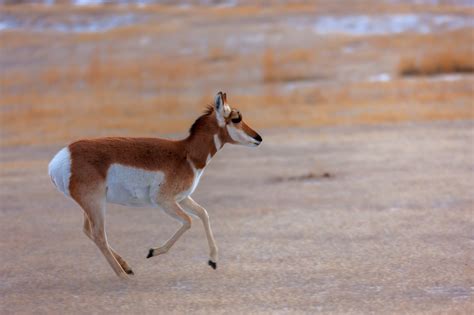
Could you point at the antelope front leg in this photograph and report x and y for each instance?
(193, 207)
(175, 211)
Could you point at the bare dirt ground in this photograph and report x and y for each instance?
(388, 230)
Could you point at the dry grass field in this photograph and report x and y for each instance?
(359, 200)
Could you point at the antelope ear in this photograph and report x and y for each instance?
(219, 105)
(222, 108)
(219, 102)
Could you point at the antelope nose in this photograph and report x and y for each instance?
(258, 138)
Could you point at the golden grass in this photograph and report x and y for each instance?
(448, 61)
(294, 65)
(154, 94)
(103, 109)
(217, 53)
(40, 125)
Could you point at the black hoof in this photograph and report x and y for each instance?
(150, 253)
(130, 272)
(212, 264)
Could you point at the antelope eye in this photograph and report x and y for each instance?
(237, 120)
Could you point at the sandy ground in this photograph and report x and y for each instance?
(389, 231)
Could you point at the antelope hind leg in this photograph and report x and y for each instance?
(125, 266)
(94, 206)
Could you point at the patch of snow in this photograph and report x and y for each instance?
(4, 25)
(228, 4)
(387, 24)
(382, 77)
(88, 2)
(74, 23)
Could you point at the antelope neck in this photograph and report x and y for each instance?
(202, 147)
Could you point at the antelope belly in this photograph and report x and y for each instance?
(130, 186)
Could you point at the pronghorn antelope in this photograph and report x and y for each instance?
(147, 172)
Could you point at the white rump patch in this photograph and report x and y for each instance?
(59, 170)
(131, 186)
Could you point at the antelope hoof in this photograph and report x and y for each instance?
(150, 253)
(130, 272)
(212, 264)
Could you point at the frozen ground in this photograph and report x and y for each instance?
(389, 229)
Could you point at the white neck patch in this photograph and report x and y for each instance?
(217, 142)
(197, 177)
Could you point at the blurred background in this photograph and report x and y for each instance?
(358, 201)
(87, 68)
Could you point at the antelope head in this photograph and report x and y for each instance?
(230, 121)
